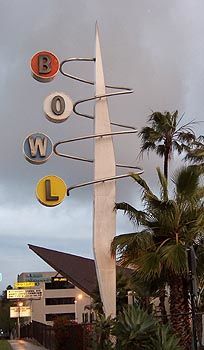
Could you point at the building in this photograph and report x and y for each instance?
(72, 293)
(59, 298)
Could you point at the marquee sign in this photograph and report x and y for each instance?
(24, 294)
(22, 311)
(59, 279)
(51, 190)
(25, 284)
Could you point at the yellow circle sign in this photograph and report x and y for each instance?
(51, 190)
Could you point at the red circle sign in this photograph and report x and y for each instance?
(44, 66)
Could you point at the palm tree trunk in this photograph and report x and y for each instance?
(180, 311)
(166, 160)
(162, 307)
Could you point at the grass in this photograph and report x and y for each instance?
(4, 345)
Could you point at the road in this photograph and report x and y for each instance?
(24, 345)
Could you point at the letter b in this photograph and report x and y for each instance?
(44, 64)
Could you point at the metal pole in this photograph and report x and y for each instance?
(75, 304)
(193, 308)
(18, 325)
(31, 311)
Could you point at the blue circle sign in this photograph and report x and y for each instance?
(37, 148)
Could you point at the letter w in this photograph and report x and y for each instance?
(38, 144)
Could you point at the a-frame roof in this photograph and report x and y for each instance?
(78, 270)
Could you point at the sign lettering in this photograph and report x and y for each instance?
(38, 144)
(22, 311)
(44, 64)
(58, 105)
(25, 284)
(59, 279)
(24, 294)
(49, 196)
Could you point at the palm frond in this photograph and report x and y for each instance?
(160, 150)
(149, 265)
(136, 216)
(186, 180)
(127, 247)
(174, 257)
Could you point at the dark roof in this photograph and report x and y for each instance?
(78, 270)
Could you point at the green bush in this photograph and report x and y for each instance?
(68, 334)
(165, 340)
(135, 329)
(102, 333)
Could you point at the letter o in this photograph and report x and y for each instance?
(58, 101)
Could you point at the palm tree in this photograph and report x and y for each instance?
(195, 153)
(166, 228)
(166, 135)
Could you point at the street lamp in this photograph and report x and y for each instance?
(75, 309)
(78, 298)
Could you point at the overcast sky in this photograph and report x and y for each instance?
(155, 47)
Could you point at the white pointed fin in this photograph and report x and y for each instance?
(104, 194)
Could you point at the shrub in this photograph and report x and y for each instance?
(68, 334)
(135, 329)
(102, 333)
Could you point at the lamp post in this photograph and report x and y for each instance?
(20, 304)
(75, 310)
(77, 298)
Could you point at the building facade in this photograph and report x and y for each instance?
(60, 297)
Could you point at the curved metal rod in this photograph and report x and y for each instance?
(98, 97)
(125, 90)
(94, 136)
(85, 59)
(73, 76)
(117, 177)
(91, 137)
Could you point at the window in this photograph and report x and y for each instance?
(59, 301)
(59, 285)
(51, 317)
(88, 317)
(85, 317)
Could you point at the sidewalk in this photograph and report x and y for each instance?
(24, 345)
